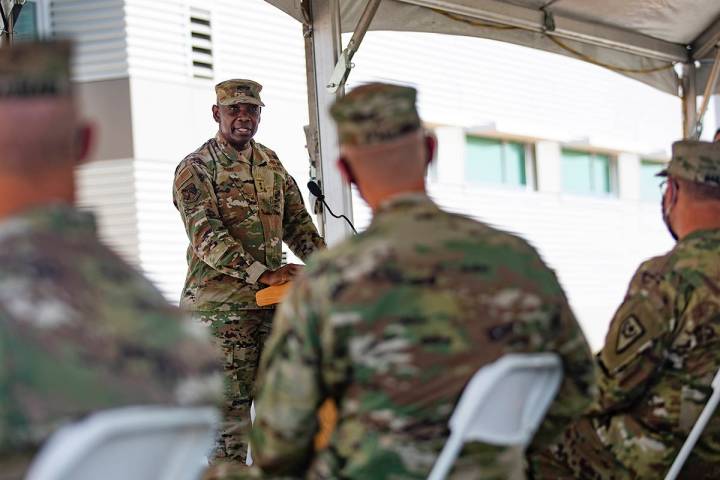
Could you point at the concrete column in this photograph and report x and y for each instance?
(450, 159)
(549, 167)
(628, 170)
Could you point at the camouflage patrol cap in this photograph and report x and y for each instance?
(235, 91)
(695, 161)
(376, 113)
(35, 69)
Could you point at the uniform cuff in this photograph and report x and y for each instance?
(254, 271)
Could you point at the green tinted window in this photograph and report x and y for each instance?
(649, 183)
(495, 162)
(26, 27)
(585, 173)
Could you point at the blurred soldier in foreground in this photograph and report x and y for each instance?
(662, 349)
(393, 323)
(238, 205)
(80, 330)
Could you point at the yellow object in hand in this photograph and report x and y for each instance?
(272, 295)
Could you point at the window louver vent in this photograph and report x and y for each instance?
(201, 44)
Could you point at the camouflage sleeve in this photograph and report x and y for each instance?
(298, 371)
(195, 198)
(577, 390)
(299, 231)
(637, 339)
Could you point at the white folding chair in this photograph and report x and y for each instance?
(697, 430)
(502, 404)
(138, 443)
(248, 457)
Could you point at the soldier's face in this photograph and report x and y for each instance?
(238, 123)
(667, 204)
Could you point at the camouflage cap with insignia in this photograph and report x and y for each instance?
(695, 161)
(376, 113)
(235, 91)
(35, 69)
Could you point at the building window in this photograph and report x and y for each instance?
(495, 162)
(30, 24)
(201, 44)
(586, 173)
(649, 182)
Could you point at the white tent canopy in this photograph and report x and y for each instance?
(643, 39)
(638, 38)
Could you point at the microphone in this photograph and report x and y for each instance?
(317, 193)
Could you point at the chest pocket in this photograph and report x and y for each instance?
(236, 197)
(270, 193)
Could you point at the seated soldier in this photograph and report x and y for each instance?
(661, 351)
(392, 323)
(80, 330)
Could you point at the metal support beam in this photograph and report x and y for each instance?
(505, 13)
(706, 43)
(9, 13)
(344, 64)
(689, 100)
(710, 88)
(322, 48)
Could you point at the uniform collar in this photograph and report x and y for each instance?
(713, 233)
(231, 154)
(406, 202)
(51, 218)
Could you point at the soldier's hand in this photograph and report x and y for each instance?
(282, 275)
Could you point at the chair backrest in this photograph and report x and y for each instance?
(697, 430)
(502, 404)
(139, 443)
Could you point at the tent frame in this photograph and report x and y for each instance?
(328, 67)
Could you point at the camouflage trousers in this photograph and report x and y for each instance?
(579, 455)
(241, 336)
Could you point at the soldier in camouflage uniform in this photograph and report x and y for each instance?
(662, 348)
(393, 323)
(238, 205)
(80, 330)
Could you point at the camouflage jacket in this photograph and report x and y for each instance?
(80, 331)
(654, 373)
(238, 208)
(392, 324)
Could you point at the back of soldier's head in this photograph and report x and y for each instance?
(696, 165)
(381, 133)
(38, 125)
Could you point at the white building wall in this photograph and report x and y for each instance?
(98, 28)
(465, 85)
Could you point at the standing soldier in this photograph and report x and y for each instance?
(80, 329)
(662, 349)
(393, 323)
(238, 204)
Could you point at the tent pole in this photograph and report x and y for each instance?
(344, 64)
(322, 50)
(689, 100)
(9, 27)
(709, 90)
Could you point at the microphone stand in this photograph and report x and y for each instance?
(317, 193)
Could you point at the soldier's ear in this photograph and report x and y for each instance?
(346, 171)
(216, 113)
(84, 139)
(430, 147)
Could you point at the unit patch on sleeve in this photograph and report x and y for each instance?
(630, 331)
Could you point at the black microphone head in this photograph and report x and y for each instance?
(314, 188)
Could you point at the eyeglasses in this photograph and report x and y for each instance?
(663, 186)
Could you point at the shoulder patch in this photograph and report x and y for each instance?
(190, 194)
(183, 176)
(637, 326)
(631, 330)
